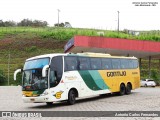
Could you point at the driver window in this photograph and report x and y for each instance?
(53, 78)
(56, 70)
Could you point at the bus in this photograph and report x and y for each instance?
(65, 77)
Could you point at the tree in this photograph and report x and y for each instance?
(2, 77)
(35, 23)
(1, 23)
(38, 23)
(60, 25)
(67, 24)
(25, 22)
(9, 23)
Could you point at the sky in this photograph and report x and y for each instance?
(97, 14)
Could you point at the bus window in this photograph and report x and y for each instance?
(56, 70)
(131, 66)
(70, 63)
(95, 63)
(84, 63)
(116, 63)
(124, 63)
(106, 63)
(135, 63)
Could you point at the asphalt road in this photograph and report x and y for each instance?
(142, 99)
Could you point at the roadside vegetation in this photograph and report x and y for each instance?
(24, 42)
(63, 34)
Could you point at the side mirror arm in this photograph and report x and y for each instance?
(16, 72)
(44, 70)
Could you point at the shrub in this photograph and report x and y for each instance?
(2, 78)
(31, 49)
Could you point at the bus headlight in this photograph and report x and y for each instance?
(44, 93)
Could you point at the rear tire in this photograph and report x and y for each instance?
(122, 89)
(128, 89)
(71, 97)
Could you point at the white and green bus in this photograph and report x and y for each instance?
(59, 77)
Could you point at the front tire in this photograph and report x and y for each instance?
(71, 97)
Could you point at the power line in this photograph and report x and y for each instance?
(58, 16)
(8, 66)
(118, 22)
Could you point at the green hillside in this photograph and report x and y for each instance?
(25, 42)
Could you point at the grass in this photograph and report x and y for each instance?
(63, 34)
(25, 42)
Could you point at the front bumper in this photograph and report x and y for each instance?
(39, 99)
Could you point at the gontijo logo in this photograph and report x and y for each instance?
(116, 73)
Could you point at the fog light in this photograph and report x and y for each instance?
(23, 95)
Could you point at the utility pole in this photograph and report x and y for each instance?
(58, 16)
(8, 66)
(118, 22)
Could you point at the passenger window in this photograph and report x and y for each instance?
(106, 63)
(124, 63)
(84, 63)
(131, 65)
(70, 63)
(135, 63)
(95, 63)
(116, 64)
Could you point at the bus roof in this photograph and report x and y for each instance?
(46, 55)
(89, 54)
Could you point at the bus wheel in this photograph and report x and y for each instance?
(122, 89)
(71, 97)
(49, 103)
(128, 88)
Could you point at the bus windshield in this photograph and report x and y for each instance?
(36, 63)
(32, 75)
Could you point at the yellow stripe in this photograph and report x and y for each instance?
(27, 93)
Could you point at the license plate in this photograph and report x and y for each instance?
(32, 99)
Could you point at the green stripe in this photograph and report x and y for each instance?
(93, 79)
(98, 79)
(89, 80)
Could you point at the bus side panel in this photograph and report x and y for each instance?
(113, 78)
(58, 93)
(94, 81)
(72, 79)
(87, 83)
(136, 78)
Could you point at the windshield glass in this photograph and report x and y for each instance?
(32, 74)
(33, 80)
(37, 63)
